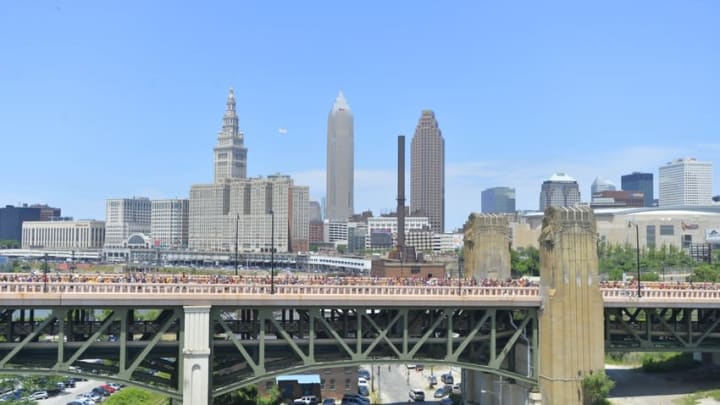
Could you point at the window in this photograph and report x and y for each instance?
(667, 230)
(650, 236)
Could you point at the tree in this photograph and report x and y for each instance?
(596, 387)
(525, 261)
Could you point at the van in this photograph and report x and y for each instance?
(417, 395)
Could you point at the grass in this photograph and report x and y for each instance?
(664, 362)
(136, 396)
(695, 398)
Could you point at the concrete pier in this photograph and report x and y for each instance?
(571, 313)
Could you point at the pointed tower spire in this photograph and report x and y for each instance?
(230, 119)
(341, 103)
(230, 153)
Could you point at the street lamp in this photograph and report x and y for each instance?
(45, 271)
(461, 262)
(272, 252)
(637, 253)
(237, 231)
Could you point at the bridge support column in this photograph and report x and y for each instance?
(487, 247)
(571, 313)
(196, 356)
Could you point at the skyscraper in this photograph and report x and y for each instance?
(254, 214)
(498, 200)
(642, 182)
(685, 182)
(340, 161)
(600, 185)
(427, 172)
(560, 190)
(230, 154)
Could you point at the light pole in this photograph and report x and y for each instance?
(637, 253)
(237, 231)
(272, 252)
(45, 270)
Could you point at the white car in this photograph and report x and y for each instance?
(38, 395)
(362, 381)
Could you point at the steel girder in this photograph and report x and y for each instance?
(662, 329)
(251, 345)
(143, 346)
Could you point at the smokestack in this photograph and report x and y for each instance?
(401, 197)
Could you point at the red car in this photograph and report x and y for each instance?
(107, 388)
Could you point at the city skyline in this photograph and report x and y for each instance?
(91, 94)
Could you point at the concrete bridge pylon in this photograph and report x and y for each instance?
(571, 314)
(487, 246)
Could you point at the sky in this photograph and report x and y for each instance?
(116, 99)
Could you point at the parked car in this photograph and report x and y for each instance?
(95, 397)
(328, 401)
(442, 391)
(75, 402)
(38, 395)
(363, 390)
(115, 385)
(101, 391)
(432, 380)
(69, 383)
(107, 387)
(456, 389)
(419, 367)
(362, 373)
(362, 381)
(306, 400)
(447, 378)
(446, 401)
(417, 395)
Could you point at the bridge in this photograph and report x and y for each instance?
(154, 335)
(195, 339)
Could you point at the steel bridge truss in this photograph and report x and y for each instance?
(662, 329)
(144, 346)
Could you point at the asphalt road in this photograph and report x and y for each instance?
(635, 387)
(70, 394)
(394, 382)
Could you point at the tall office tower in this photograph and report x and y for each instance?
(498, 200)
(12, 218)
(315, 211)
(600, 185)
(427, 172)
(641, 182)
(169, 223)
(230, 154)
(124, 217)
(340, 161)
(560, 190)
(685, 182)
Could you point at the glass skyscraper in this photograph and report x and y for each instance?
(497, 200)
(642, 182)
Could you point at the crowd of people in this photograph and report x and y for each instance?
(328, 280)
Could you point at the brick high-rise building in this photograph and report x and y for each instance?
(427, 172)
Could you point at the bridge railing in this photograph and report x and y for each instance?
(247, 289)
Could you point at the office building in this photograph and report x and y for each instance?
(383, 230)
(315, 211)
(340, 161)
(560, 190)
(685, 182)
(600, 185)
(64, 235)
(617, 199)
(125, 217)
(250, 213)
(12, 219)
(497, 200)
(48, 213)
(427, 172)
(640, 182)
(230, 154)
(169, 222)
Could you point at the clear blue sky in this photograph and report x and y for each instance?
(120, 98)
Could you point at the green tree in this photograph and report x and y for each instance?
(705, 273)
(596, 388)
(525, 261)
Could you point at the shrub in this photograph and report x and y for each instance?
(596, 388)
